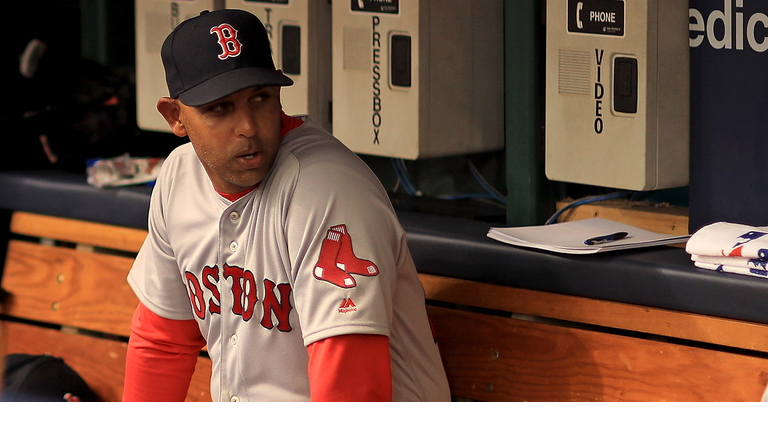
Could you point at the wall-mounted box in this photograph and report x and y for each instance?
(418, 78)
(300, 34)
(617, 93)
(155, 20)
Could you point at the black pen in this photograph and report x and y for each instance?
(605, 239)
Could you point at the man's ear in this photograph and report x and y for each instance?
(279, 89)
(171, 111)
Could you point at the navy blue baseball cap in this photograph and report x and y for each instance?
(216, 54)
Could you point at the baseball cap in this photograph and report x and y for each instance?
(216, 54)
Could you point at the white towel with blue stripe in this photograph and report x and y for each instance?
(741, 262)
(757, 272)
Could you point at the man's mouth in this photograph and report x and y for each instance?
(248, 154)
(250, 160)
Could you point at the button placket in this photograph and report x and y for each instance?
(234, 217)
(230, 236)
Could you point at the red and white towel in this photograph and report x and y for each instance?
(730, 248)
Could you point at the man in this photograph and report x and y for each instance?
(250, 247)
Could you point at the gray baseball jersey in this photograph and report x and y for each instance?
(314, 251)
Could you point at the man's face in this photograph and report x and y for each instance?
(236, 137)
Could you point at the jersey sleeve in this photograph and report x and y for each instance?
(345, 246)
(154, 276)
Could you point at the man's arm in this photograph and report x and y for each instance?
(350, 368)
(161, 358)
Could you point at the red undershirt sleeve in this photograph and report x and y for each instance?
(350, 368)
(161, 358)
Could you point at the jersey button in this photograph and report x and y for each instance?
(234, 399)
(234, 217)
(233, 339)
(233, 246)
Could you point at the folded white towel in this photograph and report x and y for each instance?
(757, 272)
(751, 263)
(729, 239)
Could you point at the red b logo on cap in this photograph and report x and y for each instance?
(227, 35)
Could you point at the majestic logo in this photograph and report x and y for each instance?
(347, 305)
(228, 41)
(338, 262)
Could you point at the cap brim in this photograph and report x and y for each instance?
(230, 82)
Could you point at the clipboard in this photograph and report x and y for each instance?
(571, 237)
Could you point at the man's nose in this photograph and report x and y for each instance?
(245, 123)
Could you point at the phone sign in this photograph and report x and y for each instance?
(599, 17)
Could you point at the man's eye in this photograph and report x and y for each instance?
(260, 97)
(216, 108)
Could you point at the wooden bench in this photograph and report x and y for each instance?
(508, 344)
(70, 299)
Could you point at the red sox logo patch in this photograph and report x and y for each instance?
(228, 41)
(337, 262)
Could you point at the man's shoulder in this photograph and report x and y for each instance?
(179, 158)
(180, 164)
(306, 133)
(182, 151)
(318, 164)
(310, 144)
